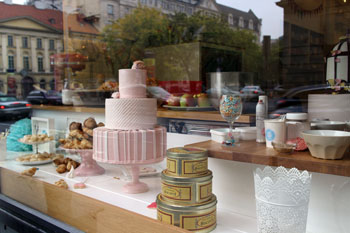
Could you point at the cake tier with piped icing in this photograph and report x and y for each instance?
(129, 146)
(130, 114)
(132, 83)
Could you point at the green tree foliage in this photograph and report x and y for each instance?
(127, 39)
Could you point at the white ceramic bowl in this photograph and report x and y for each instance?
(327, 144)
(329, 125)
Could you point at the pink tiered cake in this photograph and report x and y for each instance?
(131, 135)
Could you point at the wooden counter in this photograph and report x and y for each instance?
(161, 113)
(84, 213)
(252, 152)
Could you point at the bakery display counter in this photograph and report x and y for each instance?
(257, 153)
(161, 113)
(102, 206)
(77, 209)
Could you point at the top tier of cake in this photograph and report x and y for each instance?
(132, 83)
(131, 109)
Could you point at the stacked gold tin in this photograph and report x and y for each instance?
(186, 199)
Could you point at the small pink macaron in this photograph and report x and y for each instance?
(79, 186)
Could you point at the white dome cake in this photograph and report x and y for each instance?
(131, 134)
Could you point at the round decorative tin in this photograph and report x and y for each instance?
(183, 190)
(187, 161)
(200, 218)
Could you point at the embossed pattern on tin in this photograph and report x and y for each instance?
(198, 222)
(176, 192)
(194, 167)
(205, 191)
(171, 165)
(165, 217)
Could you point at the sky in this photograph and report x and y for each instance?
(267, 10)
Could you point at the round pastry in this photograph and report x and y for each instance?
(86, 136)
(75, 126)
(88, 131)
(100, 124)
(90, 123)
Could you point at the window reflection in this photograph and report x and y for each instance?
(277, 47)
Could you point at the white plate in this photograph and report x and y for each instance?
(33, 143)
(31, 163)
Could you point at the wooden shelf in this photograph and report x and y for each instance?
(204, 116)
(68, 108)
(161, 113)
(252, 152)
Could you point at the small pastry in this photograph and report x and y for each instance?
(62, 184)
(75, 126)
(61, 168)
(100, 124)
(79, 186)
(76, 134)
(34, 138)
(58, 161)
(88, 131)
(29, 172)
(86, 136)
(85, 144)
(90, 123)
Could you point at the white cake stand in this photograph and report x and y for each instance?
(135, 186)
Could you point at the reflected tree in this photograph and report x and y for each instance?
(127, 39)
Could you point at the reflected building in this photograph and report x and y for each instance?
(106, 12)
(30, 36)
(311, 29)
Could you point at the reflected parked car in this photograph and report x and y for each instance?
(251, 92)
(296, 99)
(45, 97)
(11, 107)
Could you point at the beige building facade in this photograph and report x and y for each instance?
(26, 46)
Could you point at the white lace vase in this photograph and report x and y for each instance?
(282, 199)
